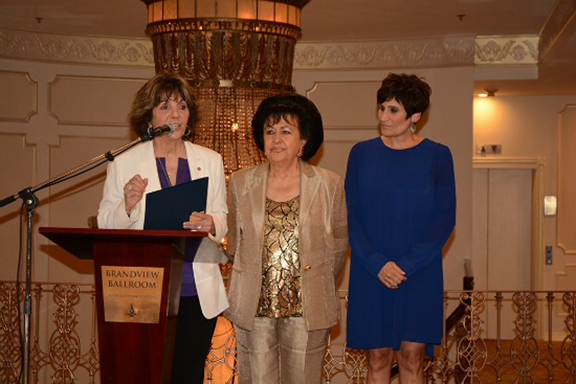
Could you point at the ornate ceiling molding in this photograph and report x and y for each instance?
(506, 50)
(411, 53)
(95, 50)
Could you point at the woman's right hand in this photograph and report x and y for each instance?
(134, 191)
(391, 275)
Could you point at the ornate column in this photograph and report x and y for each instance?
(235, 53)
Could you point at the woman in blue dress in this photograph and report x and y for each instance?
(401, 211)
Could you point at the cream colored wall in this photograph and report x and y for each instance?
(527, 127)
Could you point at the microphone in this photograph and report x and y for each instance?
(163, 130)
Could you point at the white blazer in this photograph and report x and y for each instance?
(202, 162)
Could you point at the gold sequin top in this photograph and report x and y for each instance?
(281, 293)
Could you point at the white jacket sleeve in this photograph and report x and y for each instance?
(216, 204)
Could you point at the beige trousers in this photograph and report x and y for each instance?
(280, 351)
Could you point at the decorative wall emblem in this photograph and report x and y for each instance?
(506, 50)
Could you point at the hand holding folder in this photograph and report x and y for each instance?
(168, 208)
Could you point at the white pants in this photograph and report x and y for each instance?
(280, 351)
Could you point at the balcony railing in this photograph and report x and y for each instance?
(502, 337)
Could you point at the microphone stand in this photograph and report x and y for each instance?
(30, 201)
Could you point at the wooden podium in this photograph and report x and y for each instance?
(137, 274)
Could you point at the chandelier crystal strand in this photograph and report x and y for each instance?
(234, 53)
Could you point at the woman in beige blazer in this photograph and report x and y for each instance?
(161, 163)
(288, 236)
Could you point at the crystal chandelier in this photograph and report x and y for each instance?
(234, 53)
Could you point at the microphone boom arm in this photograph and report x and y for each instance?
(30, 202)
(95, 162)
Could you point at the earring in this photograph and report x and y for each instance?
(413, 127)
(187, 133)
(300, 152)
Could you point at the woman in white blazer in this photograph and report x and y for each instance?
(161, 163)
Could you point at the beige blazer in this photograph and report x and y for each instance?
(202, 162)
(323, 243)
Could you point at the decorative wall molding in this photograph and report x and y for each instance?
(23, 101)
(448, 51)
(566, 217)
(506, 50)
(498, 162)
(86, 91)
(132, 52)
(411, 53)
(94, 50)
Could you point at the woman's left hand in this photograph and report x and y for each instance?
(391, 275)
(201, 222)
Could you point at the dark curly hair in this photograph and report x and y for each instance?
(287, 106)
(408, 90)
(156, 90)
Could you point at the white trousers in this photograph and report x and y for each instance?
(280, 351)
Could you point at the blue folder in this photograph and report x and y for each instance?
(168, 208)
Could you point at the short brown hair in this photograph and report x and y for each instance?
(409, 90)
(156, 90)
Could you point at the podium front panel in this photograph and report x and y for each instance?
(134, 346)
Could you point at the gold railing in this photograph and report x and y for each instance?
(503, 337)
(522, 346)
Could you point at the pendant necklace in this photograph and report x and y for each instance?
(164, 170)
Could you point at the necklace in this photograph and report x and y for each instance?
(164, 170)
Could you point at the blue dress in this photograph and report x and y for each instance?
(401, 208)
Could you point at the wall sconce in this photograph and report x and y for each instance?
(490, 92)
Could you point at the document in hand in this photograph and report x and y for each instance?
(168, 208)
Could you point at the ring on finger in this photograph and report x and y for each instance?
(393, 286)
(129, 188)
